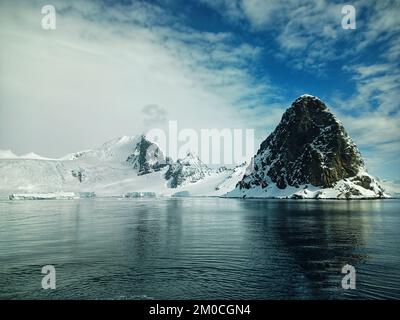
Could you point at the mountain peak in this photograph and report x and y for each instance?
(308, 147)
(189, 169)
(146, 157)
(309, 103)
(190, 155)
(308, 96)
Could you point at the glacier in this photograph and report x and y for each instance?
(105, 172)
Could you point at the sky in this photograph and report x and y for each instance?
(114, 68)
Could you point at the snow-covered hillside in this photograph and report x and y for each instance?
(120, 166)
(343, 189)
(190, 169)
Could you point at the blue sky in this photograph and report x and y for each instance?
(205, 63)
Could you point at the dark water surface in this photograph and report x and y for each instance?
(190, 248)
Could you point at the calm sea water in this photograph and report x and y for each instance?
(190, 248)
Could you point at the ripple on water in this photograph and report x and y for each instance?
(199, 249)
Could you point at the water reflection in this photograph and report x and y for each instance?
(320, 236)
(199, 248)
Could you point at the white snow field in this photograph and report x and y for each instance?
(338, 191)
(103, 171)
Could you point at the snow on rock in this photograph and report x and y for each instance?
(147, 157)
(187, 170)
(232, 179)
(117, 149)
(114, 169)
(343, 189)
(76, 155)
(309, 155)
(306, 95)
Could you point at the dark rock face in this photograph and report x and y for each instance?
(147, 157)
(309, 146)
(189, 169)
(80, 174)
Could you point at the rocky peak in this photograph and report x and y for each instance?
(309, 146)
(189, 169)
(147, 157)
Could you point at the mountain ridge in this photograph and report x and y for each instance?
(308, 155)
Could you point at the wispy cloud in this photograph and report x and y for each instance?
(310, 32)
(89, 79)
(308, 36)
(377, 89)
(372, 114)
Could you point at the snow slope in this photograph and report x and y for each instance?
(106, 172)
(343, 189)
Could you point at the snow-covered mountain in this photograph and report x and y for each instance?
(121, 166)
(118, 150)
(309, 155)
(190, 169)
(147, 157)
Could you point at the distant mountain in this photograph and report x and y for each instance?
(187, 170)
(121, 166)
(8, 154)
(391, 187)
(309, 155)
(118, 149)
(147, 157)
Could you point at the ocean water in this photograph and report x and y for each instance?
(200, 248)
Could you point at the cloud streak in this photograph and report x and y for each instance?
(89, 79)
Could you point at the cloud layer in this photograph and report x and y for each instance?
(112, 69)
(91, 78)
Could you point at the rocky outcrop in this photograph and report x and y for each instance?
(309, 147)
(147, 157)
(187, 170)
